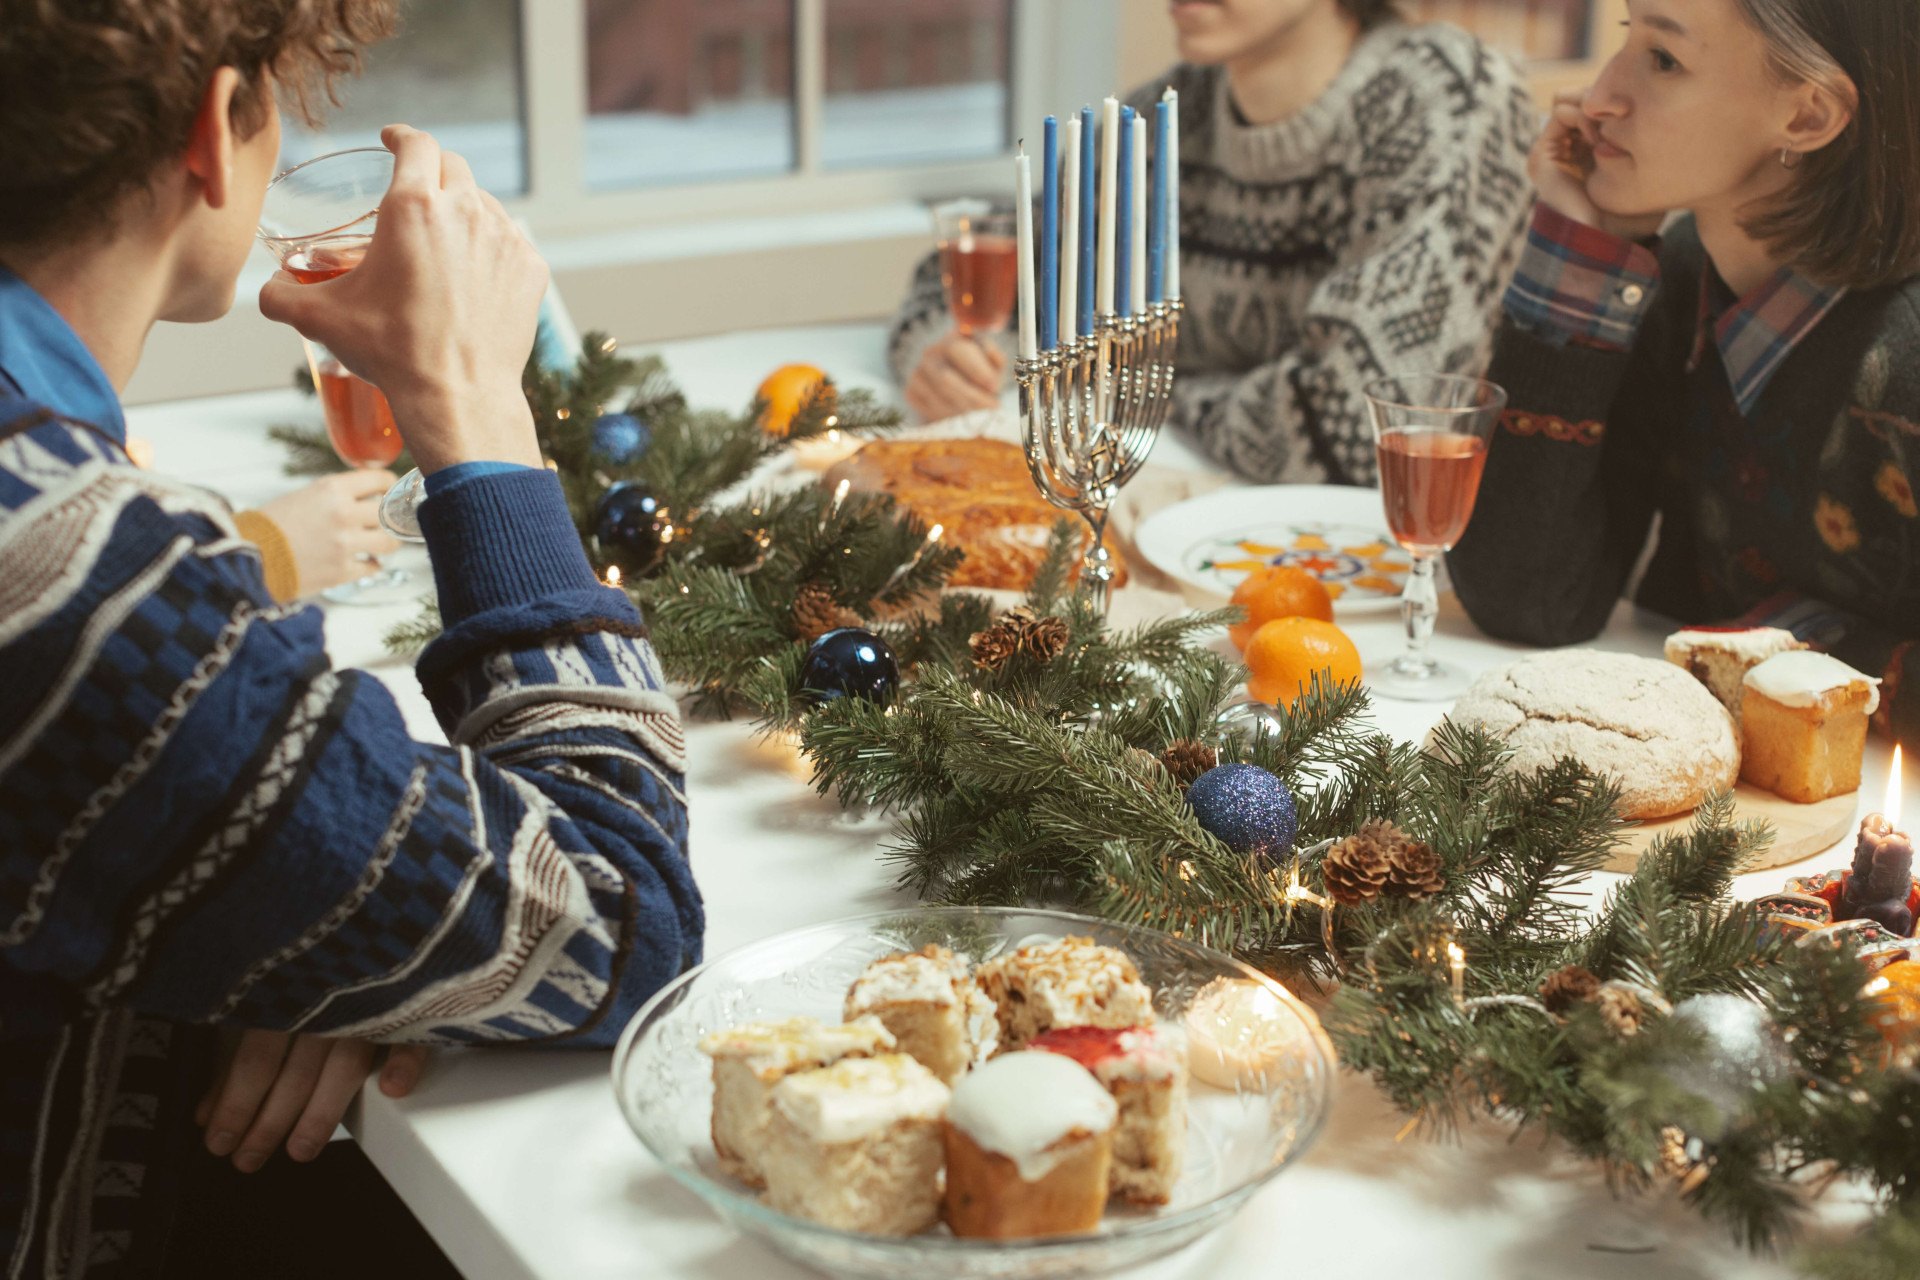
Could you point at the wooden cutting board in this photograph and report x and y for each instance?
(1799, 830)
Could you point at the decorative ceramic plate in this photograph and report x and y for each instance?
(1238, 1139)
(1335, 532)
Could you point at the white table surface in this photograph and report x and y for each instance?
(520, 1165)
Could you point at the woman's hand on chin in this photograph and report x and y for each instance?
(1561, 164)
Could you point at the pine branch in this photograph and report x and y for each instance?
(416, 633)
(309, 450)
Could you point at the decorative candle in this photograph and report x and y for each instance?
(1172, 99)
(1109, 176)
(1457, 971)
(1023, 250)
(1084, 319)
(1122, 301)
(1049, 235)
(1137, 277)
(1157, 211)
(1881, 880)
(1070, 235)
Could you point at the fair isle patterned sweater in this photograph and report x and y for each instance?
(1372, 232)
(202, 822)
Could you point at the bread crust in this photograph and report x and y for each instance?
(1647, 723)
(986, 1197)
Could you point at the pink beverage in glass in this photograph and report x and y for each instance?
(980, 282)
(1428, 482)
(359, 421)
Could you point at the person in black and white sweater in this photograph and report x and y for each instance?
(1353, 192)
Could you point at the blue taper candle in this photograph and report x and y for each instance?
(1123, 219)
(1089, 207)
(1050, 236)
(1157, 210)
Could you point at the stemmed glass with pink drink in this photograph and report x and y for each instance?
(1431, 432)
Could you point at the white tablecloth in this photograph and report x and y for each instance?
(520, 1165)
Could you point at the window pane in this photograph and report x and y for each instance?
(454, 70)
(688, 91)
(1529, 30)
(911, 81)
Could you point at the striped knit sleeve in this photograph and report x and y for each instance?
(201, 819)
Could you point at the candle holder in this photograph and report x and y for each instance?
(1090, 412)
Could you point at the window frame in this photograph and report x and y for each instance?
(1063, 53)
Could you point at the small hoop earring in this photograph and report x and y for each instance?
(1785, 162)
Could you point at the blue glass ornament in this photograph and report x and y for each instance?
(1249, 809)
(620, 437)
(850, 663)
(631, 528)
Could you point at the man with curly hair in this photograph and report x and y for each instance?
(202, 824)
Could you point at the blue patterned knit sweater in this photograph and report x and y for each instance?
(202, 822)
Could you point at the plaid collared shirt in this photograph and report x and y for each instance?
(1579, 283)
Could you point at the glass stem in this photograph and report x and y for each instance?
(1419, 606)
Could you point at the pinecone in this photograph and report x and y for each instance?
(1413, 869)
(1673, 1152)
(1355, 870)
(1018, 631)
(1187, 760)
(1564, 988)
(816, 612)
(1620, 1009)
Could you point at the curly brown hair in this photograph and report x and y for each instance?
(96, 97)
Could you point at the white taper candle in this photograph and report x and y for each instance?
(1070, 231)
(1172, 211)
(1137, 224)
(1109, 182)
(1023, 240)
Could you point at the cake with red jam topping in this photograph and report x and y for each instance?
(930, 1002)
(750, 1060)
(1029, 1140)
(1145, 1069)
(1073, 982)
(1720, 657)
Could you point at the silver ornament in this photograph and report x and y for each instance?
(1253, 720)
(1743, 1052)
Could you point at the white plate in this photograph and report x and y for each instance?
(1335, 532)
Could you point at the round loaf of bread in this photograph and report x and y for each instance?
(1648, 723)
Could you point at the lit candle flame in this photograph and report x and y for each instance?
(1455, 956)
(1186, 869)
(933, 534)
(613, 575)
(1879, 986)
(840, 494)
(1893, 792)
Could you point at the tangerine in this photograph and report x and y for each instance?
(1278, 591)
(784, 391)
(1287, 653)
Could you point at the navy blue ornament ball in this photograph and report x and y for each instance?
(620, 437)
(850, 663)
(1249, 809)
(631, 527)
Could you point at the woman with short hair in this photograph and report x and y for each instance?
(1352, 194)
(1746, 386)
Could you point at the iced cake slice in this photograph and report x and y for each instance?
(750, 1060)
(858, 1145)
(1804, 725)
(1070, 983)
(1720, 657)
(1145, 1069)
(1029, 1148)
(930, 1002)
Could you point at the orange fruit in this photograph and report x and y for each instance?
(1285, 654)
(1896, 1010)
(785, 390)
(1280, 591)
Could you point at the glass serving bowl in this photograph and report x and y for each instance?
(1236, 1139)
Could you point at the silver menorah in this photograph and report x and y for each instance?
(1090, 411)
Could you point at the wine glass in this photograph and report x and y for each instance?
(977, 263)
(1431, 432)
(318, 222)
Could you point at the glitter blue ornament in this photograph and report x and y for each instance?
(1247, 808)
(631, 527)
(850, 663)
(620, 437)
